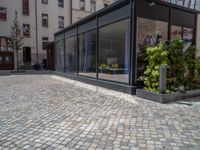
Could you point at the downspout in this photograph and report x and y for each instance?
(36, 31)
(70, 12)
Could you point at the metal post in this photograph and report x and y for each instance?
(163, 79)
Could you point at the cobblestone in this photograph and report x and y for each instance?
(51, 112)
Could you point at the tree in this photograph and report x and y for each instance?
(16, 39)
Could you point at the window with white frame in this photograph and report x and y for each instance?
(61, 3)
(82, 4)
(3, 13)
(44, 1)
(93, 5)
(45, 41)
(61, 22)
(45, 20)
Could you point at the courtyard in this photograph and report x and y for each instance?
(52, 112)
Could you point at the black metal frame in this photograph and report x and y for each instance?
(132, 84)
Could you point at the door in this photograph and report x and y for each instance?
(27, 55)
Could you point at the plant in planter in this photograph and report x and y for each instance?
(183, 74)
(177, 66)
(156, 56)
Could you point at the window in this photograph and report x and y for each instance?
(61, 3)
(26, 30)
(8, 59)
(82, 4)
(71, 54)
(59, 45)
(25, 7)
(149, 32)
(113, 53)
(45, 41)
(93, 5)
(45, 20)
(3, 14)
(3, 44)
(1, 60)
(87, 53)
(61, 22)
(44, 1)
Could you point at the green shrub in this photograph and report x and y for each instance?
(177, 68)
(183, 67)
(156, 57)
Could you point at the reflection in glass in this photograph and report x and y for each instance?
(1, 59)
(71, 55)
(176, 32)
(8, 59)
(87, 54)
(59, 56)
(114, 51)
(187, 38)
(193, 4)
(149, 33)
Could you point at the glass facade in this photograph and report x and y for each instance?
(113, 54)
(87, 53)
(111, 48)
(59, 46)
(71, 54)
(149, 32)
(192, 4)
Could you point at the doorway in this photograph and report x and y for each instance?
(27, 55)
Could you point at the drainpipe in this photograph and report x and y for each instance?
(36, 30)
(71, 12)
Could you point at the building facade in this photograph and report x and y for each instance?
(83, 8)
(107, 48)
(38, 19)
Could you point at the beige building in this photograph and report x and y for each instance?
(39, 20)
(83, 8)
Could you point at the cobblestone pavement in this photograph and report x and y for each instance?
(50, 112)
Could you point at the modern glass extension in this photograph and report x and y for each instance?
(107, 48)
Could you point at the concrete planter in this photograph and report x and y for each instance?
(165, 98)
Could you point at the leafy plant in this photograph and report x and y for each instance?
(156, 57)
(190, 62)
(177, 68)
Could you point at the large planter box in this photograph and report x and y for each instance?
(165, 98)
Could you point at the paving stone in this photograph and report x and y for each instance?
(50, 112)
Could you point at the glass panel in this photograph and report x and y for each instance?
(8, 59)
(176, 32)
(187, 38)
(149, 32)
(60, 56)
(114, 52)
(193, 4)
(71, 54)
(1, 60)
(87, 53)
